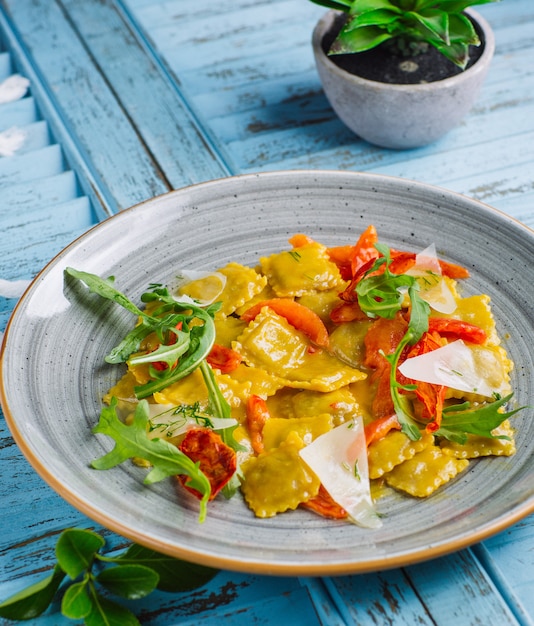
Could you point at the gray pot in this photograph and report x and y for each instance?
(400, 116)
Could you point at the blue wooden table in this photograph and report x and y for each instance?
(128, 99)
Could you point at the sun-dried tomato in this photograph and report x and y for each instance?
(216, 460)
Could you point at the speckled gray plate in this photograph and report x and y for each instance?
(53, 372)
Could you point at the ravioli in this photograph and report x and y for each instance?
(286, 390)
(301, 271)
(278, 480)
(425, 472)
(271, 343)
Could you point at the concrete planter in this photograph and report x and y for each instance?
(400, 116)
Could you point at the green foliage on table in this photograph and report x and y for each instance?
(411, 25)
(132, 575)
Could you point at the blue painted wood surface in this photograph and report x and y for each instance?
(133, 98)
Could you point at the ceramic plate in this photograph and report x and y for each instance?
(53, 370)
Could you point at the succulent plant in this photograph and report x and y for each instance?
(408, 24)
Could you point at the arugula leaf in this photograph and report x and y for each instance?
(220, 408)
(167, 354)
(401, 403)
(105, 289)
(193, 348)
(201, 340)
(132, 441)
(383, 296)
(460, 420)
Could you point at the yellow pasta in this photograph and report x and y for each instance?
(425, 472)
(276, 430)
(286, 389)
(392, 450)
(302, 271)
(242, 284)
(271, 343)
(278, 480)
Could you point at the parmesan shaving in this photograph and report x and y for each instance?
(339, 459)
(434, 289)
(452, 365)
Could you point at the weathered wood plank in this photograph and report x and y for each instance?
(254, 99)
(47, 161)
(17, 113)
(42, 193)
(456, 590)
(87, 104)
(508, 559)
(150, 99)
(381, 598)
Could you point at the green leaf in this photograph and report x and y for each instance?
(129, 344)
(76, 603)
(337, 5)
(437, 22)
(132, 441)
(220, 408)
(457, 422)
(381, 18)
(34, 600)
(359, 40)
(167, 354)
(104, 612)
(76, 549)
(104, 288)
(383, 295)
(364, 6)
(461, 30)
(131, 581)
(174, 574)
(401, 403)
(202, 339)
(458, 53)
(419, 314)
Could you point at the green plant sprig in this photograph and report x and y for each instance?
(92, 576)
(192, 344)
(439, 23)
(383, 295)
(132, 441)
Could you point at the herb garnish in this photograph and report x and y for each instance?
(132, 441)
(192, 330)
(383, 295)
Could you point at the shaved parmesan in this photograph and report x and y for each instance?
(453, 366)
(428, 260)
(433, 288)
(202, 288)
(339, 459)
